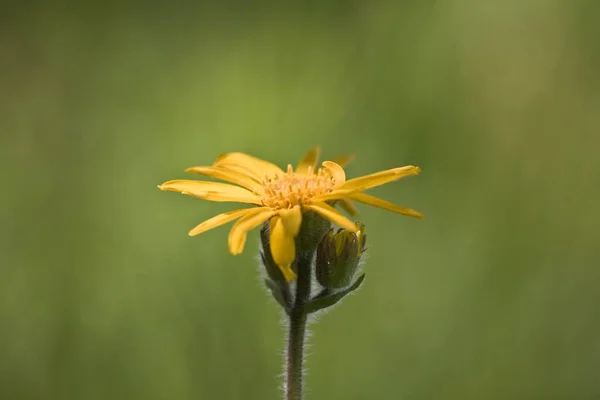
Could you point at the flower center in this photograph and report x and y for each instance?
(295, 189)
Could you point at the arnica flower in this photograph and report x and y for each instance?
(281, 197)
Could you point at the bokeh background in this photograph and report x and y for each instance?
(493, 296)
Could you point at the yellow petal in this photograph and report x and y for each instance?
(259, 168)
(288, 272)
(229, 176)
(337, 172)
(348, 206)
(328, 212)
(337, 194)
(379, 178)
(242, 171)
(292, 219)
(343, 161)
(213, 191)
(309, 161)
(219, 220)
(386, 205)
(239, 230)
(283, 247)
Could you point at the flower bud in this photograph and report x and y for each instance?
(338, 257)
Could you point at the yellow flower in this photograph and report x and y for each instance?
(283, 196)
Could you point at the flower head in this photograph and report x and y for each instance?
(281, 197)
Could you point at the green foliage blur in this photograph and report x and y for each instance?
(494, 295)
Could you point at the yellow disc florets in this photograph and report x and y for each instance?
(291, 189)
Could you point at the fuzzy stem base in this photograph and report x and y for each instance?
(295, 356)
(297, 329)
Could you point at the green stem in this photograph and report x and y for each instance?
(297, 329)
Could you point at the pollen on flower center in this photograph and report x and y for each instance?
(291, 189)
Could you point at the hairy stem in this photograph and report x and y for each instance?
(297, 329)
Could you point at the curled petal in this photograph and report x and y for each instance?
(337, 172)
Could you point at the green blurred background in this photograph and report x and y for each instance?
(493, 296)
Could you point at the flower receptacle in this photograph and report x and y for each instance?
(312, 230)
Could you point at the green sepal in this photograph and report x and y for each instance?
(281, 293)
(329, 297)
